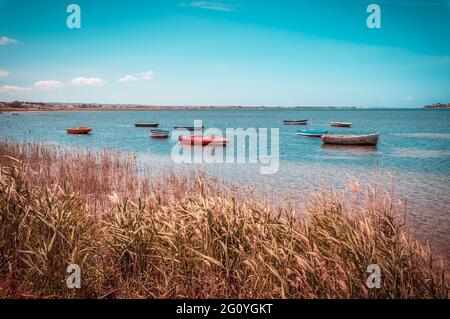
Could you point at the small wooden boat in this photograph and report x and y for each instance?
(341, 124)
(312, 133)
(146, 124)
(79, 130)
(298, 122)
(203, 140)
(159, 134)
(369, 139)
(189, 128)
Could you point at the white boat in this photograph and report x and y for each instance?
(159, 134)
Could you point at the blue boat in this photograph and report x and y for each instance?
(312, 133)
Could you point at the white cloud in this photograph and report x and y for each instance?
(128, 78)
(208, 5)
(79, 81)
(408, 98)
(5, 41)
(48, 85)
(13, 89)
(3, 73)
(149, 75)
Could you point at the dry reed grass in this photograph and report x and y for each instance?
(190, 236)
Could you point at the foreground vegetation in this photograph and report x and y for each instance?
(189, 235)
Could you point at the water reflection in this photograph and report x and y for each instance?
(353, 149)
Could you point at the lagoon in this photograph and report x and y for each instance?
(413, 154)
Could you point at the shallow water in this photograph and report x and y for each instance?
(413, 151)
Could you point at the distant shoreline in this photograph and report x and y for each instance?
(29, 110)
(49, 107)
(20, 106)
(109, 108)
(437, 106)
(165, 108)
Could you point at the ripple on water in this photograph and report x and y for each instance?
(424, 135)
(418, 153)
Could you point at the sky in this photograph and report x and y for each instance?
(229, 52)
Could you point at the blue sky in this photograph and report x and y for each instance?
(230, 52)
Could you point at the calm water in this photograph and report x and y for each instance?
(413, 152)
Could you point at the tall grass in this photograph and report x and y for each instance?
(191, 236)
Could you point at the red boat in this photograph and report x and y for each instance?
(203, 140)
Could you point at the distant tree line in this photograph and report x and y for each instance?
(437, 106)
(20, 104)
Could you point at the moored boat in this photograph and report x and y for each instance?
(159, 134)
(368, 139)
(203, 140)
(312, 133)
(79, 130)
(341, 124)
(297, 122)
(146, 124)
(189, 128)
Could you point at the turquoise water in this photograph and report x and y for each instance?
(413, 151)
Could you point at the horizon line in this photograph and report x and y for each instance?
(214, 106)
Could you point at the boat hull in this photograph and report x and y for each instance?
(370, 139)
(189, 128)
(159, 134)
(341, 124)
(146, 124)
(203, 140)
(311, 133)
(79, 130)
(300, 122)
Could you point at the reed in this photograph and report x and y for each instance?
(192, 236)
